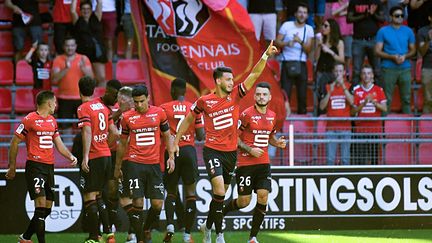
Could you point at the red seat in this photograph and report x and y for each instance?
(425, 127)
(24, 101)
(5, 100)
(6, 44)
(5, 13)
(310, 72)
(108, 71)
(130, 72)
(24, 73)
(302, 130)
(396, 105)
(321, 152)
(121, 43)
(398, 154)
(309, 99)
(6, 72)
(398, 128)
(418, 70)
(425, 153)
(419, 102)
(5, 128)
(274, 66)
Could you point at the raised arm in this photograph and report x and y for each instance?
(98, 11)
(73, 12)
(259, 67)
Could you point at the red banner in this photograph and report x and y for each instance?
(190, 38)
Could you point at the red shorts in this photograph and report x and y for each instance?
(109, 22)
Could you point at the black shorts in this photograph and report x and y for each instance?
(186, 167)
(96, 179)
(144, 180)
(253, 177)
(220, 163)
(40, 180)
(123, 186)
(67, 109)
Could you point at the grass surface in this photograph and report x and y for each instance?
(358, 236)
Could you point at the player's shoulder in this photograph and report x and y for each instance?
(270, 113)
(166, 105)
(376, 87)
(128, 113)
(30, 116)
(357, 88)
(249, 110)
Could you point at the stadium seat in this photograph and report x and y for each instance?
(108, 71)
(302, 130)
(5, 100)
(321, 147)
(23, 74)
(310, 72)
(5, 17)
(5, 128)
(398, 154)
(425, 153)
(121, 45)
(6, 72)
(396, 105)
(130, 72)
(398, 128)
(24, 101)
(425, 126)
(419, 65)
(6, 44)
(419, 101)
(274, 66)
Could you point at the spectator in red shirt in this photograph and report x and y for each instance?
(369, 101)
(337, 100)
(62, 22)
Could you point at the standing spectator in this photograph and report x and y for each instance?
(62, 22)
(128, 29)
(418, 13)
(316, 13)
(337, 100)
(263, 16)
(388, 4)
(25, 18)
(395, 45)
(67, 70)
(330, 50)
(89, 36)
(295, 37)
(366, 16)
(424, 37)
(41, 67)
(369, 101)
(339, 11)
(109, 23)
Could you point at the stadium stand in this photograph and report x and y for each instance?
(130, 72)
(6, 72)
(24, 101)
(23, 74)
(5, 100)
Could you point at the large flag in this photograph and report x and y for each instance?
(190, 38)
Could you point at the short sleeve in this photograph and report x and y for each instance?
(244, 121)
(283, 29)
(356, 99)
(23, 128)
(56, 131)
(240, 91)
(86, 61)
(309, 32)
(199, 121)
(197, 107)
(411, 36)
(58, 63)
(380, 36)
(421, 35)
(381, 96)
(124, 128)
(83, 117)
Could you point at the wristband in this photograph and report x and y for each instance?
(264, 57)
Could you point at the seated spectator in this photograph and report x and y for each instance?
(330, 49)
(128, 29)
(395, 44)
(295, 37)
(337, 100)
(89, 36)
(25, 18)
(37, 57)
(339, 11)
(424, 38)
(263, 16)
(62, 22)
(369, 101)
(67, 70)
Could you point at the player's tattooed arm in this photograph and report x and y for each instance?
(278, 142)
(64, 151)
(259, 67)
(255, 152)
(13, 151)
(119, 157)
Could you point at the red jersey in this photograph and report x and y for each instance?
(220, 118)
(38, 134)
(369, 110)
(256, 131)
(98, 117)
(338, 106)
(176, 111)
(61, 11)
(144, 132)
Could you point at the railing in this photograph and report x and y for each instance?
(403, 140)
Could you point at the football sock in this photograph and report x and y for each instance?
(103, 215)
(136, 220)
(216, 213)
(189, 213)
(258, 217)
(170, 204)
(230, 206)
(92, 220)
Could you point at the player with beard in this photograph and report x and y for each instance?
(221, 113)
(253, 168)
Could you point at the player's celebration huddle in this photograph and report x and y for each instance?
(129, 150)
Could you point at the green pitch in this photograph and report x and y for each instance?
(358, 236)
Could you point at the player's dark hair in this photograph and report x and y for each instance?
(126, 91)
(139, 90)
(338, 64)
(44, 96)
(178, 88)
(69, 37)
(114, 84)
(87, 86)
(366, 66)
(264, 85)
(303, 5)
(394, 9)
(86, 3)
(219, 71)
